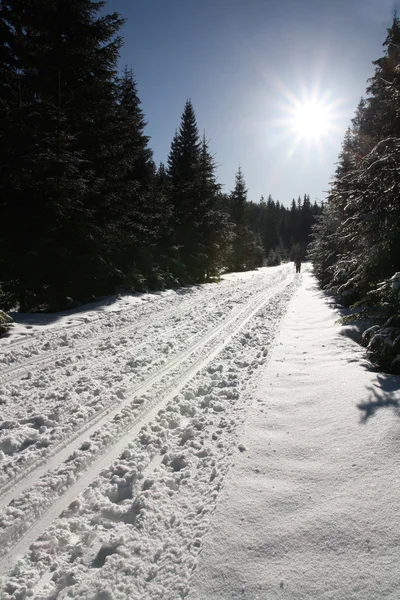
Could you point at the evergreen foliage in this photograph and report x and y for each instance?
(215, 228)
(355, 247)
(86, 211)
(133, 214)
(183, 174)
(56, 148)
(247, 251)
(5, 322)
(201, 232)
(284, 232)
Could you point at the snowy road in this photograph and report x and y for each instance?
(117, 427)
(310, 510)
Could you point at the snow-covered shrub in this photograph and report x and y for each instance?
(383, 346)
(5, 322)
(383, 340)
(274, 258)
(179, 272)
(134, 282)
(158, 279)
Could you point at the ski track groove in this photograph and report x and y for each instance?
(95, 545)
(16, 372)
(224, 333)
(101, 316)
(36, 464)
(39, 467)
(62, 451)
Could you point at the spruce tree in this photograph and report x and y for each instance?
(60, 105)
(213, 228)
(272, 223)
(247, 252)
(239, 199)
(166, 252)
(183, 192)
(133, 211)
(363, 206)
(382, 117)
(323, 250)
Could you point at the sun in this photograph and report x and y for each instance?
(308, 118)
(311, 120)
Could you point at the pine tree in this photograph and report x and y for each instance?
(272, 225)
(133, 212)
(239, 199)
(166, 252)
(214, 230)
(135, 151)
(382, 116)
(60, 106)
(363, 214)
(284, 232)
(247, 251)
(307, 221)
(184, 174)
(324, 249)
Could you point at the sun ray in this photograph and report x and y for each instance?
(309, 118)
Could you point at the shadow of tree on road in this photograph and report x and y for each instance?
(383, 394)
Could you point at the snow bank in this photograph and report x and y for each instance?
(310, 508)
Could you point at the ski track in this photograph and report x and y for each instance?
(11, 489)
(143, 311)
(92, 318)
(162, 420)
(139, 391)
(19, 370)
(98, 404)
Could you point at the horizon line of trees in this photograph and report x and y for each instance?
(356, 241)
(85, 211)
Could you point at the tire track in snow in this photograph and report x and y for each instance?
(224, 333)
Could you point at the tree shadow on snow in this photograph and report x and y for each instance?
(352, 326)
(352, 323)
(46, 318)
(41, 319)
(383, 394)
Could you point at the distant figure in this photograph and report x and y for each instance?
(297, 263)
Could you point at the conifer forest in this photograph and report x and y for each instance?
(356, 242)
(85, 211)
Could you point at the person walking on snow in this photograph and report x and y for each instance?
(297, 263)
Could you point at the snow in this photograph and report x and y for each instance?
(310, 509)
(201, 443)
(395, 280)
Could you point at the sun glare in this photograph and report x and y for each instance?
(311, 120)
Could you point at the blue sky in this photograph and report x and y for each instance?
(246, 65)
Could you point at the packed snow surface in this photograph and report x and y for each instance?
(216, 442)
(310, 510)
(117, 427)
